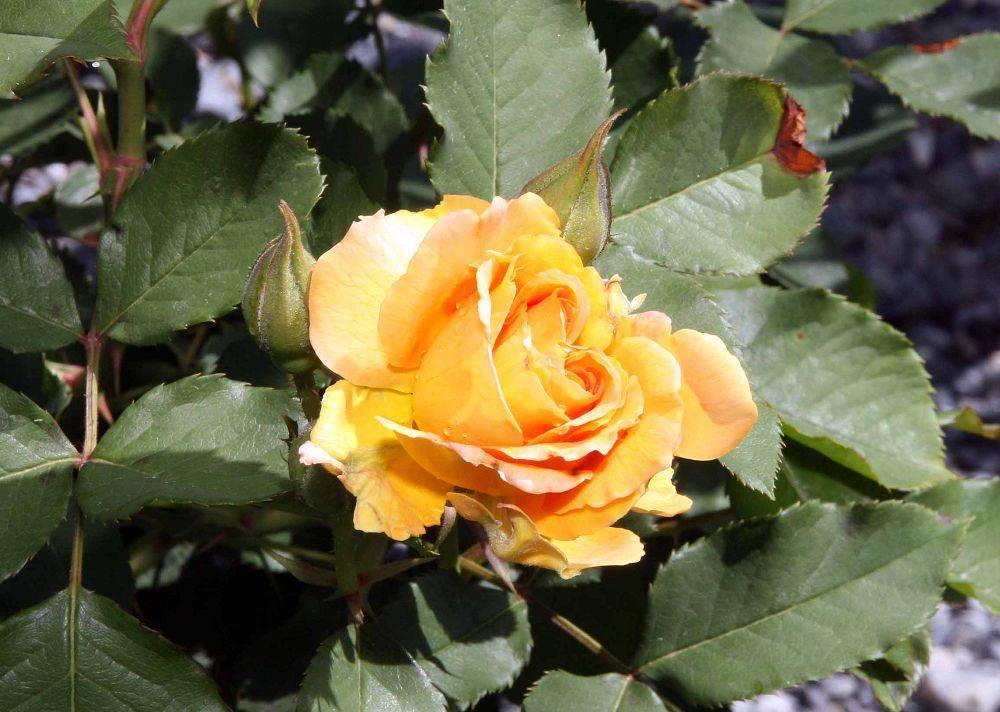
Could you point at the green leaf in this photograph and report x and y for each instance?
(560, 690)
(976, 571)
(969, 421)
(803, 475)
(36, 463)
(961, 81)
(841, 16)
(697, 185)
(646, 68)
(361, 668)
(690, 306)
(332, 84)
(36, 33)
(191, 228)
(343, 201)
(813, 72)
(42, 112)
(79, 207)
(466, 650)
(37, 310)
(844, 382)
(172, 68)
(896, 675)
(82, 653)
(30, 375)
(754, 607)
(505, 66)
(203, 439)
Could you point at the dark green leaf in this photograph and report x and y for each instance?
(172, 68)
(79, 207)
(840, 16)
(504, 67)
(844, 382)
(466, 650)
(896, 675)
(36, 33)
(36, 463)
(334, 85)
(42, 112)
(741, 612)
(343, 202)
(697, 184)
(360, 668)
(37, 310)
(690, 306)
(810, 68)
(560, 690)
(30, 374)
(805, 474)
(191, 228)
(84, 653)
(203, 439)
(646, 68)
(976, 571)
(961, 82)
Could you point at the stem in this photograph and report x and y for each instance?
(701, 521)
(346, 564)
(375, 7)
(305, 385)
(566, 625)
(131, 155)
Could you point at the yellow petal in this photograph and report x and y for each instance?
(456, 392)
(454, 203)
(478, 469)
(605, 547)
(718, 408)
(346, 291)
(395, 495)
(573, 523)
(661, 497)
(347, 418)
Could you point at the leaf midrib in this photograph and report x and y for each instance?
(7, 475)
(796, 604)
(11, 306)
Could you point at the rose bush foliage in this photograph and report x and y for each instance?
(547, 387)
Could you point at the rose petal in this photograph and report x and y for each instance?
(348, 418)
(605, 547)
(718, 408)
(661, 497)
(346, 291)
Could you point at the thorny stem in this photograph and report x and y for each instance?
(375, 8)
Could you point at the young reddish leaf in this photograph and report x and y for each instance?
(789, 146)
(938, 47)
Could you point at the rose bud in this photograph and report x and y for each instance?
(274, 301)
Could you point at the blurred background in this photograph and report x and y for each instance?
(912, 227)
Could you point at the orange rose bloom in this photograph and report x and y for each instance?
(484, 365)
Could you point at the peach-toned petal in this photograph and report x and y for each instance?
(661, 497)
(456, 392)
(647, 448)
(576, 522)
(605, 547)
(598, 329)
(527, 214)
(440, 458)
(440, 276)
(718, 408)
(346, 291)
(454, 203)
(516, 362)
(595, 373)
(347, 418)
(395, 495)
(451, 461)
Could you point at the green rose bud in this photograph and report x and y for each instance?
(274, 301)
